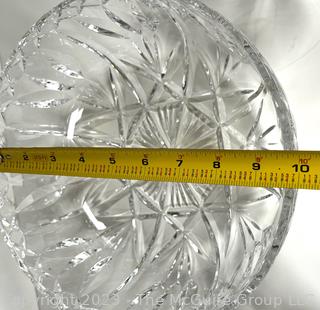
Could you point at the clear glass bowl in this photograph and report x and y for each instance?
(141, 73)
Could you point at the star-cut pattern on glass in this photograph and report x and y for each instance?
(116, 76)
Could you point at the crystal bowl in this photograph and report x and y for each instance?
(141, 73)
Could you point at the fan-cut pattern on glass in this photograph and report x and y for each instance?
(140, 73)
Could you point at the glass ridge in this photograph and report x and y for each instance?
(138, 73)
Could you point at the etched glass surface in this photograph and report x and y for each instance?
(139, 73)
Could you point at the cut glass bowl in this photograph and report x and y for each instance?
(141, 73)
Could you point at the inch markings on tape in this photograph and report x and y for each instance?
(257, 168)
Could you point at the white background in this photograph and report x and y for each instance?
(287, 32)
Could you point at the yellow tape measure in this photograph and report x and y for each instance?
(287, 169)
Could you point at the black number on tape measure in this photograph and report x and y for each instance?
(179, 161)
(25, 156)
(81, 159)
(256, 166)
(216, 164)
(301, 168)
(145, 162)
(53, 158)
(112, 161)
